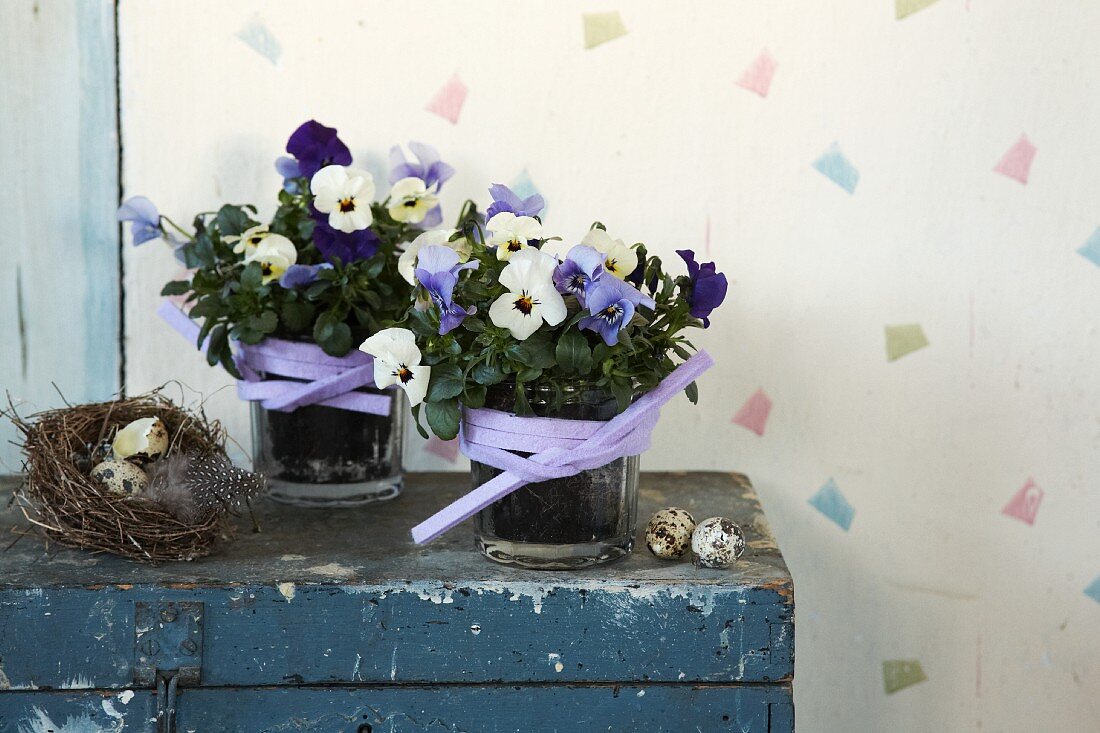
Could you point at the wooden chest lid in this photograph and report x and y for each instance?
(344, 597)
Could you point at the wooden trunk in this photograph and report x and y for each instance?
(335, 621)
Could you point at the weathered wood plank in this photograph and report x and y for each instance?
(345, 597)
(456, 708)
(59, 273)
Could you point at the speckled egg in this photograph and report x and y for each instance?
(121, 477)
(717, 543)
(668, 535)
(144, 438)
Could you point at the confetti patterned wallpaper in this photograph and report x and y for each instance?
(904, 194)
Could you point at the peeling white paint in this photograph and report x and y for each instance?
(291, 558)
(393, 665)
(5, 683)
(286, 590)
(109, 710)
(332, 570)
(442, 595)
(355, 670)
(126, 696)
(80, 682)
(554, 660)
(641, 693)
(40, 722)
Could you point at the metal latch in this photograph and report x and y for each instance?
(167, 652)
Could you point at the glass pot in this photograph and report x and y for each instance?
(565, 523)
(318, 456)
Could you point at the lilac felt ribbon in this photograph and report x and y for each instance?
(314, 377)
(560, 447)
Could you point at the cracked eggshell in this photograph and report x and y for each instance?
(717, 543)
(668, 534)
(144, 438)
(121, 477)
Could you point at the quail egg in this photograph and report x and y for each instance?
(144, 438)
(121, 477)
(717, 543)
(668, 535)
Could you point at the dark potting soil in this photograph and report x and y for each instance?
(589, 506)
(326, 445)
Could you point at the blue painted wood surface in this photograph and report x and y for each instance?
(59, 269)
(344, 598)
(397, 709)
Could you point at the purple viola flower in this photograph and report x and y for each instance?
(581, 267)
(708, 286)
(611, 303)
(314, 146)
(299, 276)
(143, 217)
(428, 168)
(335, 245)
(437, 269)
(504, 199)
(289, 169)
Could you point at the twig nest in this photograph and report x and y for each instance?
(717, 543)
(668, 534)
(144, 438)
(120, 477)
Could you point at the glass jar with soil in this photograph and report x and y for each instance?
(318, 456)
(565, 523)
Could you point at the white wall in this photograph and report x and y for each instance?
(649, 134)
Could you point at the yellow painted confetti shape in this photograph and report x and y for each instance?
(897, 674)
(904, 8)
(602, 27)
(904, 339)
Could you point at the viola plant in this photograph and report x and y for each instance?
(327, 267)
(494, 309)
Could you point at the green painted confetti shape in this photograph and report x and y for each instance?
(904, 339)
(602, 27)
(905, 8)
(897, 674)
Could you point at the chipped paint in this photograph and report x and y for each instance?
(80, 682)
(40, 722)
(332, 570)
(5, 683)
(126, 696)
(286, 590)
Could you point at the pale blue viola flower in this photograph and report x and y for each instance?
(505, 199)
(581, 267)
(437, 271)
(300, 276)
(611, 303)
(143, 217)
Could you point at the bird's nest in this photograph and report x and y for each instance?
(68, 506)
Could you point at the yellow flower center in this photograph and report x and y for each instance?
(515, 245)
(524, 304)
(404, 374)
(347, 205)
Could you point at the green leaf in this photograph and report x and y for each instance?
(176, 287)
(529, 374)
(266, 322)
(334, 337)
(446, 382)
(692, 391)
(297, 315)
(623, 391)
(219, 341)
(252, 277)
(416, 420)
(474, 396)
(487, 374)
(232, 220)
(443, 418)
(474, 325)
(573, 353)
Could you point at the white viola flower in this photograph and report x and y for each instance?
(276, 254)
(345, 194)
(246, 243)
(509, 233)
(406, 263)
(397, 361)
(621, 259)
(531, 297)
(410, 200)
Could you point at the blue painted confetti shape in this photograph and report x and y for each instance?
(829, 501)
(523, 186)
(1093, 589)
(257, 37)
(1090, 250)
(834, 166)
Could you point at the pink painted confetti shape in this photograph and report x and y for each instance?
(1024, 504)
(758, 77)
(448, 101)
(754, 413)
(1016, 163)
(445, 449)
